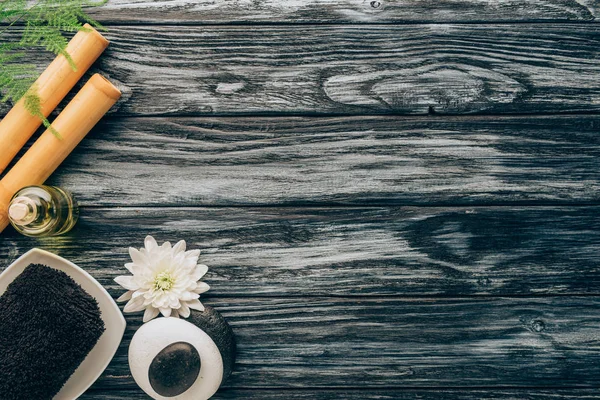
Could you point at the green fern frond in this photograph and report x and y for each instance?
(24, 26)
(15, 79)
(51, 38)
(33, 105)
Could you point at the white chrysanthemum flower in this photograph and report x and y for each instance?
(165, 279)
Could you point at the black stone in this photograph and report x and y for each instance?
(215, 326)
(175, 369)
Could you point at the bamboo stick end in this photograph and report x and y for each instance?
(92, 31)
(105, 86)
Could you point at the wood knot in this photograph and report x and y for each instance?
(229, 87)
(538, 325)
(484, 281)
(375, 4)
(441, 87)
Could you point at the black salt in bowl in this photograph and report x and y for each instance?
(49, 324)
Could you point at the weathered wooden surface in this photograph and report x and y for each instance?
(344, 160)
(351, 252)
(337, 11)
(374, 394)
(309, 342)
(354, 69)
(487, 284)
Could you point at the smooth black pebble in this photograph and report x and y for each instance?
(175, 369)
(215, 326)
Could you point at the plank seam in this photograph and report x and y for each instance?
(341, 115)
(379, 388)
(417, 117)
(378, 297)
(329, 206)
(347, 23)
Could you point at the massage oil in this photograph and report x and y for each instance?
(43, 211)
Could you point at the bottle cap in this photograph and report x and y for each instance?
(22, 210)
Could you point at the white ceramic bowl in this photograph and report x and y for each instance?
(99, 358)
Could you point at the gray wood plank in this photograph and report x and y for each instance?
(350, 252)
(371, 394)
(335, 11)
(407, 69)
(337, 343)
(350, 69)
(344, 160)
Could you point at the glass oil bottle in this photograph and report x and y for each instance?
(43, 211)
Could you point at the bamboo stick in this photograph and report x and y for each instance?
(52, 86)
(48, 152)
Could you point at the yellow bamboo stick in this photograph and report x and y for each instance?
(48, 152)
(52, 86)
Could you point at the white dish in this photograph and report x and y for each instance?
(98, 359)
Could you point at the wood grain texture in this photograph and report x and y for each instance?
(350, 252)
(336, 11)
(338, 343)
(351, 69)
(371, 394)
(345, 302)
(324, 161)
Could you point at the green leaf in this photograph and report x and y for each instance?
(32, 104)
(28, 27)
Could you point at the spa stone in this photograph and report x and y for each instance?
(152, 338)
(213, 323)
(175, 369)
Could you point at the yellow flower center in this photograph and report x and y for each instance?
(164, 281)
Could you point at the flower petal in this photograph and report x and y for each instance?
(199, 272)
(195, 305)
(189, 296)
(150, 313)
(138, 293)
(177, 260)
(174, 314)
(150, 243)
(192, 254)
(160, 301)
(202, 288)
(184, 311)
(165, 311)
(174, 303)
(187, 266)
(130, 267)
(140, 281)
(134, 305)
(179, 247)
(125, 296)
(137, 257)
(162, 263)
(127, 282)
